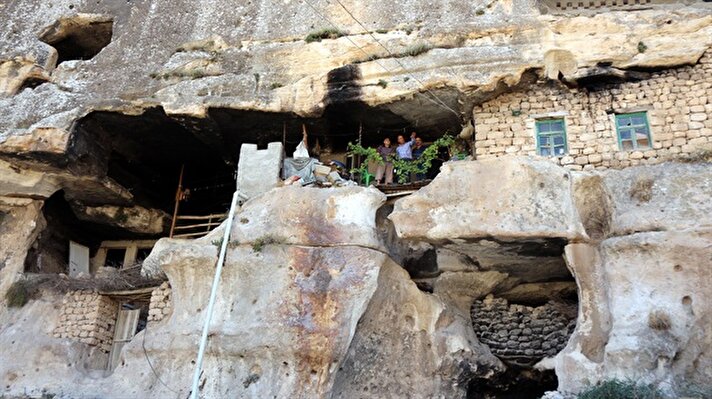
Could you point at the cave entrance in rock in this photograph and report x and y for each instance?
(145, 152)
(67, 225)
(527, 319)
(80, 37)
(519, 294)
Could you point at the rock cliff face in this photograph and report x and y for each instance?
(321, 310)
(638, 315)
(338, 293)
(221, 68)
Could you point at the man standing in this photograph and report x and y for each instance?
(385, 151)
(418, 150)
(404, 149)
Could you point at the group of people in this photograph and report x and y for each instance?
(410, 150)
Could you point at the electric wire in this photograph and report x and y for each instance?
(394, 57)
(145, 353)
(333, 25)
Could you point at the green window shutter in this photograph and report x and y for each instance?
(551, 137)
(633, 131)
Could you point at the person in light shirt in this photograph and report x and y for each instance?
(405, 149)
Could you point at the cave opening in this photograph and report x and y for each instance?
(527, 320)
(66, 225)
(145, 152)
(519, 296)
(80, 37)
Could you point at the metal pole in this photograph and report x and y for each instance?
(211, 301)
(179, 192)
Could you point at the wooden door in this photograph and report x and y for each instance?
(78, 259)
(126, 324)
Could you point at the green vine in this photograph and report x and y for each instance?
(369, 154)
(404, 168)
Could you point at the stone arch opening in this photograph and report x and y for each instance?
(80, 37)
(523, 305)
(525, 327)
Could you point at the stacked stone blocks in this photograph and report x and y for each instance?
(160, 305)
(88, 317)
(678, 103)
(521, 334)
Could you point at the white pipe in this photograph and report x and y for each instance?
(211, 302)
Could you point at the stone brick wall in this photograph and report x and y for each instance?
(160, 305)
(88, 317)
(678, 103)
(553, 5)
(522, 334)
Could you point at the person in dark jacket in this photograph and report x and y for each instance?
(418, 150)
(385, 168)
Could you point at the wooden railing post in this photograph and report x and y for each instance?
(179, 195)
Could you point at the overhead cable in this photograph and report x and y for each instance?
(439, 102)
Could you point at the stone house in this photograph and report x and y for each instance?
(603, 125)
(106, 321)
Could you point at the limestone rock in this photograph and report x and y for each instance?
(410, 344)
(19, 72)
(314, 295)
(451, 261)
(20, 223)
(673, 196)
(310, 216)
(28, 182)
(511, 198)
(134, 218)
(268, 67)
(461, 288)
(539, 292)
(644, 311)
(511, 215)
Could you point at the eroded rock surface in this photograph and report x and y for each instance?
(411, 344)
(507, 199)
(296, 317)
(211, 55)
(640, 267)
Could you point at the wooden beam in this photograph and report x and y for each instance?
(138, 291)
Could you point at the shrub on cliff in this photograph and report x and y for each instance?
(617, 389)
(17, 295)
(327, 33)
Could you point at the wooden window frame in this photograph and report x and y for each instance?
(633, 138)
(552, 147)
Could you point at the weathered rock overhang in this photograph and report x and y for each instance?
(464, 57)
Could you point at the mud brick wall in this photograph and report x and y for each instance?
(519, 333)
(678, 103)
(88, 317)
(160, 306)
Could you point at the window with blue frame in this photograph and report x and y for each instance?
(551, 137)
(633, 131)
